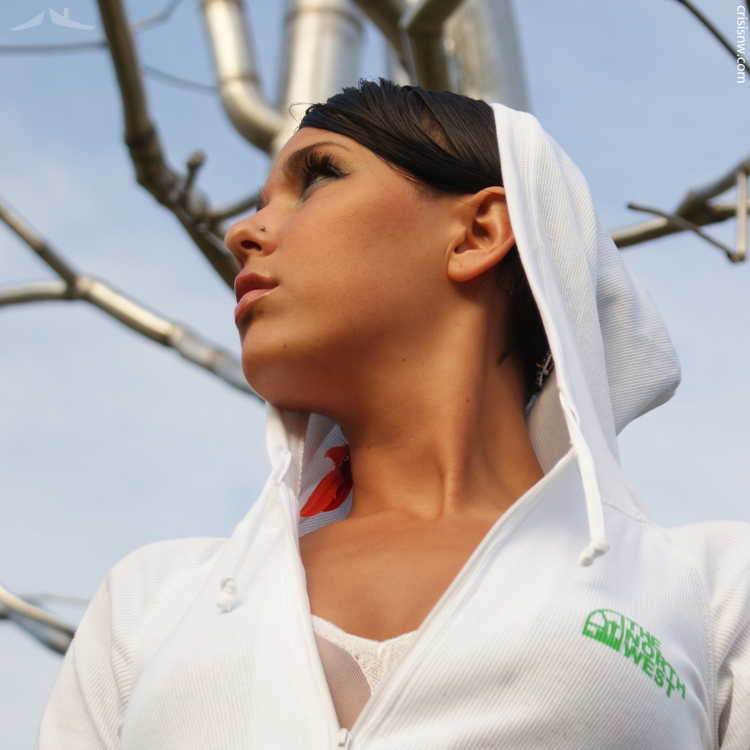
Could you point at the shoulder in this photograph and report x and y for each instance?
(137, 598)
(159, 575)
(719, 554)
(718, 550)
(155, 566)
(144, 590)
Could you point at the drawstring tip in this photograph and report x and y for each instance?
(228, 594)
(594, 550)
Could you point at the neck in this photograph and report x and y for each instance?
(441, 430)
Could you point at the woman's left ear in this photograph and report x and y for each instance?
(487, 235)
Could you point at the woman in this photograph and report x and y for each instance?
(446, 554)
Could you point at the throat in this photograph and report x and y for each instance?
(379, 577)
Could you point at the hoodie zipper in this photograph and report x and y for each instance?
(343, 737)
(514, 514)
(339, 736)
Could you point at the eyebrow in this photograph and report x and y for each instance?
(292, 165)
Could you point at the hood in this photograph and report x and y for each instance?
(613, 357)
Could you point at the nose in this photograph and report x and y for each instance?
(247, 237)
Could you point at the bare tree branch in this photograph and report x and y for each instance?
(655, 228)
(40, 291)
(220, 214)
(156, 19)
(688, 225)
(50, 630)
(152, 171)
(75, 286)
(694, 209)
(716, 33)
(180, 83)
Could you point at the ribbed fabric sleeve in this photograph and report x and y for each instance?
(96, 679)
(721, 554)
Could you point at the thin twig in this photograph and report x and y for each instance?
(157, 19)
(61, 267)
(194, 163)
(180, 83)
(688, 225)
(220, 214)
(49, 629)
(694, 208)
(699, 15)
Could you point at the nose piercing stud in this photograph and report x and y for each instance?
(262, 229)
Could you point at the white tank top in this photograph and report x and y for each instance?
(353, 666)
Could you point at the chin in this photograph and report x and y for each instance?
(294, 378)
(279, 377)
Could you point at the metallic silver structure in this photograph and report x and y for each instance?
(468, 47)
(237, 73)
(486, 55)
(320, 55)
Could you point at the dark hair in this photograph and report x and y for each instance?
(446, 143)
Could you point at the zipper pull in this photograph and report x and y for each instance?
(344, 737)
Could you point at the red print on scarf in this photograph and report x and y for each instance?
(335, 486)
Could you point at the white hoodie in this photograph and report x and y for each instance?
(544, 640)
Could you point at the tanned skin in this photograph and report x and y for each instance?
(386, 318)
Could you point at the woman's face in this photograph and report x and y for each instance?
(348, 277)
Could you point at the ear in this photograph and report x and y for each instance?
(487, 235)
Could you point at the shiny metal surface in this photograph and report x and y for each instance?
(470, 48)
(485, 56)
(320, 56)
(237, 73)
(428, 54)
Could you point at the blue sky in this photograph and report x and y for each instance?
(109, 442)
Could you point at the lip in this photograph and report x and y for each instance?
(249, 287)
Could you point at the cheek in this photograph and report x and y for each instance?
(355, 273)
(374, 255)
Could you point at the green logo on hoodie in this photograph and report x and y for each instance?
(633, 642)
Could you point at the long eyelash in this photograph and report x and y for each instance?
(317, 163)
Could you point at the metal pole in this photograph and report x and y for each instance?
(423, 25)
(321, 55)
(485, 54)
(238, 74)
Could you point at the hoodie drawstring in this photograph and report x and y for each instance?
(228, 593)
(598, 541)
(229, 582)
